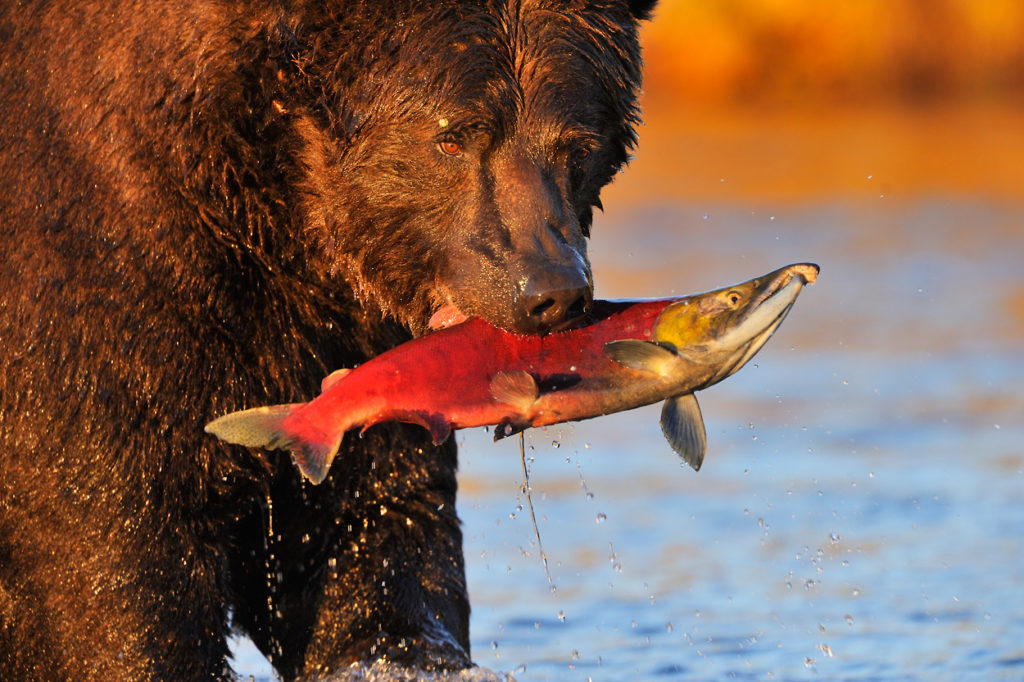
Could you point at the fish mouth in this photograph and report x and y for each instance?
(765, 313)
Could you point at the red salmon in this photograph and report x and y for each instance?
(632, 353)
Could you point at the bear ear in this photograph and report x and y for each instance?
(642, 9)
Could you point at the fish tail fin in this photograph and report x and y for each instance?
(263, 427)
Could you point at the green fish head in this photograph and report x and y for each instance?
(726, 327)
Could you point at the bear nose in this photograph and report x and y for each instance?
(552, 299)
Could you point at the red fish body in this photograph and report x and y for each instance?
(443, 380)
(474, 374)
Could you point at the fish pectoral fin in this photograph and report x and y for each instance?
(646, 356)
(333, 378)
(683, 426)
(516, 388)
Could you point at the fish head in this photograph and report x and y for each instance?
(723, 329)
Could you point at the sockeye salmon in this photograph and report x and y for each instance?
(632, 353)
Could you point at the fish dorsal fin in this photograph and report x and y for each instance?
(333, 378)
(516, 388)
(683, 426)
(646, 356)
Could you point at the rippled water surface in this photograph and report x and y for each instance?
(859, 513)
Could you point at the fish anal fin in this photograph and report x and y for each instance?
(683, 426)
(516, 388)
(333, 378)
(439, 428)
(314, 459)
(646, 356)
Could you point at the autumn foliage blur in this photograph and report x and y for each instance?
(785, 100)
(778, 51)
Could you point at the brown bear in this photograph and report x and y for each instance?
(209, 206)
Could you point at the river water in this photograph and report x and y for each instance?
(858, 515)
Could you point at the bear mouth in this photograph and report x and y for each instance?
(448, 315)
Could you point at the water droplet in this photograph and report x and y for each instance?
(669, 627)
(555, 444)
(601, 517)
(849, 619)
(494, 644)
(575, 655)
(808, 661)
(706, 216)
(825, 649)
(561, 616)
(833, 538)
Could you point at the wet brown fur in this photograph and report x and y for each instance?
(208, 206)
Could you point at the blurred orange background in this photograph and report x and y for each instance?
(787, 99)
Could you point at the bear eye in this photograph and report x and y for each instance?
(580, 154)
(450, 147)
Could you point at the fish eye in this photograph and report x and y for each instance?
(733, 297)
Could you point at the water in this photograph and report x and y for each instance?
(858, 515)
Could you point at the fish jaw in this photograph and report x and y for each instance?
(766, 312)
(723, 329)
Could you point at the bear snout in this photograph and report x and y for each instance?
(554, 298)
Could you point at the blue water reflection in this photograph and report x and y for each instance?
(858, 516)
